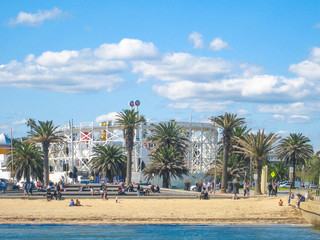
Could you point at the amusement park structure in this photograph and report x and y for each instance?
(79, 140)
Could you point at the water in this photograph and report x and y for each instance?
(158, 232)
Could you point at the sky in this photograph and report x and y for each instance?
(85, 60)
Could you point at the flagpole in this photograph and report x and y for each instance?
(12, 171)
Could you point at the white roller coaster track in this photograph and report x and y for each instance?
(77, 151)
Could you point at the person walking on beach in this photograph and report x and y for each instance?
(25, 189)
(270, 189)
(105, 194)
(247, 189)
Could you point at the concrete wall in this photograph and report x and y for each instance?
(310, 211)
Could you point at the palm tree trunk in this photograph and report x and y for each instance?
(129, 164)
(45, 164)
(293, 180)
(165, 180)
(109, 176)
(257, 189)
(226, 148)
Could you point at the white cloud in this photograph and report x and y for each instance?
(196, 39)
(309, 68)
(243, 112)
(261, 87)
(182, 66)
(200, 105)
(297, 108)
(127, 49)
(72, 71)
(106, 117)
(20, 122)
(218, 44)
(278, 117)
(35, 19)
(298, 119)
(283, 133)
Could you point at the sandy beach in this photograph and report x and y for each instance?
(148, 211)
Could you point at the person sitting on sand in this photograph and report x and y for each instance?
(59, 195)
(130, 188)
(206, 195)
(142, 192)
(201, 195)
(147, 192)
(55, 195)
(280, 202)
(78, 203)
(49, 195)
(71, 203)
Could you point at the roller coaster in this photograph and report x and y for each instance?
(79, 140)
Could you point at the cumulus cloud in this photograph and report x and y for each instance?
(181, 66)
(298, 119)
(243, 112)
(257, 88)
(218, 44)
(36, 19)
(309, 68)
(19, 122)
(106, 117)
(200, 105)
(297, 108)
(127, 49)
(72, 71)
(196, 39)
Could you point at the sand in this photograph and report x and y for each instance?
(148, 211)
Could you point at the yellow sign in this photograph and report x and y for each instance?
(273, 174)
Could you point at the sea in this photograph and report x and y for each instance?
(79, 232)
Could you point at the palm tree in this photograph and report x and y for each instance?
(236, 168)
(109, 160)
(166, 163)
(257, 146)
(280, 170)
(227, 122)
(295, 149)
(44, 133)
(28, 161)
(169, 135)
(129, 121)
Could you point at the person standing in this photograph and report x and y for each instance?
(270, 188)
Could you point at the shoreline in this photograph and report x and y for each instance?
(149, 212)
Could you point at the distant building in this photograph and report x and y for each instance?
(272, 157)
(5, 146)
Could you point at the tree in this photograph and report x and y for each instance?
(169, 135)
(227, 122)
(257, 146)
(28, 161)
(166, 163)
(108, 160)
(45, 133)
(295, 149)
(280, 170)
(129, 121)
(236, 168)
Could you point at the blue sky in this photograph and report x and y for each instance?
(85, 60)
